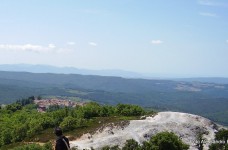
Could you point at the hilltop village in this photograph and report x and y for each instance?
(44, 104)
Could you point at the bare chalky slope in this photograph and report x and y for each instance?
(182, 124)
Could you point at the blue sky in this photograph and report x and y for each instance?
(184, 38)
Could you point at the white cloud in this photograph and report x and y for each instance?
(51, 46)
(156, 42)
(227, 41)
(212, 3)
(92, 43)
(206, 14)
(28, 47)
(70, 43)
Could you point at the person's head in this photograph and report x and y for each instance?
(58, 131)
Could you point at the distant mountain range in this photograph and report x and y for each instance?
(67, 70)
(114, 73)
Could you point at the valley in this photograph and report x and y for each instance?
(207, 99)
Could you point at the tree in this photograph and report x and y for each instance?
(69, 123)
(200, 140)
(226, 147)
(216, 146)
(116, 147)
(90, 110)
(222, 135)
(19, 133)
(131, 145)
(32, 98)
(47, 146)
(34, 128)
(106, 111)
(14, 107)
(167, 141)
(39, 97)
(129, 110)
(146, 146)
(5, 137)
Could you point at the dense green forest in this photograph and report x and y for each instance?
(206, 99)
(21, 121)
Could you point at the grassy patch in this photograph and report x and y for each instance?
(13, 145)
(91, 127)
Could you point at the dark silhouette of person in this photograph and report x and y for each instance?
(62, 143)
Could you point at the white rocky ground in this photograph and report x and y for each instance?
(182, 124)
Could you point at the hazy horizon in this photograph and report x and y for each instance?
(178, 38)
(42, 68)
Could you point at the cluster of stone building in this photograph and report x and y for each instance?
(44, 104)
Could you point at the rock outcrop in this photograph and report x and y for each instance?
(183, 125)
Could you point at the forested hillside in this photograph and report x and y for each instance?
(206, 99)
(21, 121)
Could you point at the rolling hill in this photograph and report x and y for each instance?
(206, 99)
